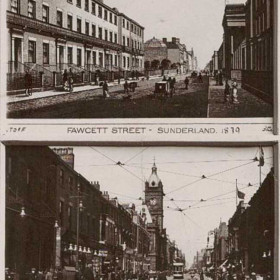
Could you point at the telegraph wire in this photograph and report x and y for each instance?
(136, 155)
(215, 174)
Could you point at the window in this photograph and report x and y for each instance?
(116, 20)
(124, 62)
(79, 3)
(128, 62)
(61, 177)
(123, 23)
(15, 4)
(123, 40)
(111, 17)
(116, 38)
(70, 22)
(127, 25)
(105, 14)
(93, 30)
(59, 18)
(28, 176)
(116, 60)
(46, 53)
(79, 25)
(79, 57)
(87, 28)
(106, 35)
(101, 59)
(87, 5)
(70, 55)
(32, 51)
(70, 216)
(70, 182)
(93, 8)
(45, 13)
(127, 42)
(94, 58)
(70, 1)
(100, 11)
(111, 36)
(61, 212)
(31, 9)
(88, 224)
(100, 33)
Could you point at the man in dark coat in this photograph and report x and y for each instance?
(105, 89)
(187, 83)
(28, 83)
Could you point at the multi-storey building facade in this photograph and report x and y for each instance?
(57, 218)
(258, 71)
(85, 35)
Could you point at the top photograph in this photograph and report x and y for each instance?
(102, 59)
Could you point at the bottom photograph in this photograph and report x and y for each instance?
(115, 213)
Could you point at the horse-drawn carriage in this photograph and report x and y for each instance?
(162, 89)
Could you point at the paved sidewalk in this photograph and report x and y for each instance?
(50, 98)
(249, 105)
(50, 93)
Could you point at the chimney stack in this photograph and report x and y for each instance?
(164, 40)
(66, 154)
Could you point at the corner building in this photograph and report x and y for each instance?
(86, 35)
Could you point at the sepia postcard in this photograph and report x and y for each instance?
(139, 140)
(124, 59)
(88, 212)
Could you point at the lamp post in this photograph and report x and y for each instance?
(79, 208)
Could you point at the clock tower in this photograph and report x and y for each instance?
(154, 198)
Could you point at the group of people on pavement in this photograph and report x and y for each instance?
(230, 92)
(172, 83)
(68, 80)
(34, 274)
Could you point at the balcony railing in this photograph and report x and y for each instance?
(15, 20)
(132, 51)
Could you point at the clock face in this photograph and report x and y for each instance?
(153, 201)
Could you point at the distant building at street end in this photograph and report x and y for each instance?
(155, 49)
(174, 51)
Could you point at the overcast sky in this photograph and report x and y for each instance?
(198, 23)
(178, 168)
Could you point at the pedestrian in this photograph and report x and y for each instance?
(187, 83)
(221, 78)
(217, 77)
(234, 92)
(65, 79)
(164, 79)
(8, 274)
(172, 87)
(227, 92)
(33, 275)
(126, 87)
(49, 275)
(200, 78)
(105, 89)
(71, 80)
(201, 275)
(88, 273)
(28, 82)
